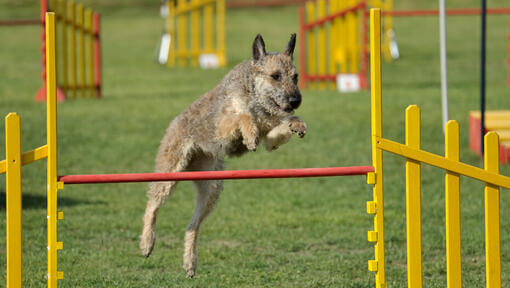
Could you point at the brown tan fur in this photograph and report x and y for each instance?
(255, 100)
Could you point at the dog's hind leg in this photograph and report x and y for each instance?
(157, 194)
(208, 193)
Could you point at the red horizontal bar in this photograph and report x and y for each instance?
(216, 175)
(320, 77)
(325, 77)
(450, 12)
(331, 17)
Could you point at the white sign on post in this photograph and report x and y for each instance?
(348, 82)
(209, 61)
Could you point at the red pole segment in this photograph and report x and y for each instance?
(216, 175)
(327, 77)
(97, 54)
(302, 48)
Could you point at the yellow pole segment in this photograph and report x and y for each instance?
(81, 43)
(220, 33)
(182, 45)
(13, 200)
(321, 45)
(28, 157)
(208, 29)
(352, 19)
(342, 45)
(377, 265)
(413, 200)
(333, 33)
(90, 50)
(312, 54)
(195, 32)
(63, 51)
(452, 200)
(442, 162)
(51, 128)
(56, 9)
(170, 21)
(492, 217)
(72, 49)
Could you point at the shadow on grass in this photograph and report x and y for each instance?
(31, 201)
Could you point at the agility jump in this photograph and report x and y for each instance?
(333, 41)
(374, 174)
(78, 59)
(204, 42)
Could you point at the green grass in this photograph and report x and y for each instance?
(264, 233)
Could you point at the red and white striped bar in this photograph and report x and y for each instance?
(216, 175)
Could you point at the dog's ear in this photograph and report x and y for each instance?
(289, 50)
(259, 48)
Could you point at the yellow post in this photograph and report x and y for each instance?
(352, 20)
(321, 45)
(72, 49)
(63, 46)
(413, 200)
(81, 40)
(90, 50)
(170, 22)
(51, 128)
(56, 9)
(333, 33)
(377, 265)
(492, 217)
(182, 45)
(452, 200)
(342, 44)
(208, 29)
(312, 53)
(195, 32)
(13, 199)
(220, 33)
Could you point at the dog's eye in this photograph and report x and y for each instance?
(295, 78)
(276, 76)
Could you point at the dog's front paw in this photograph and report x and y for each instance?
(298, 127)
(251, 144)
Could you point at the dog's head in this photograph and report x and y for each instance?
(275, 78)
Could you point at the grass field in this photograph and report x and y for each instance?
(264, 233)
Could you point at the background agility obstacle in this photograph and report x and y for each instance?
(79, 50)
(411, 151)
(196, 32)
(333, 41)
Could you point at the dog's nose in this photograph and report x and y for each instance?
(295, 101)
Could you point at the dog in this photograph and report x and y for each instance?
(255, 100)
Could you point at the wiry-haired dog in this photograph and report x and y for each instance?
(256, 100)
